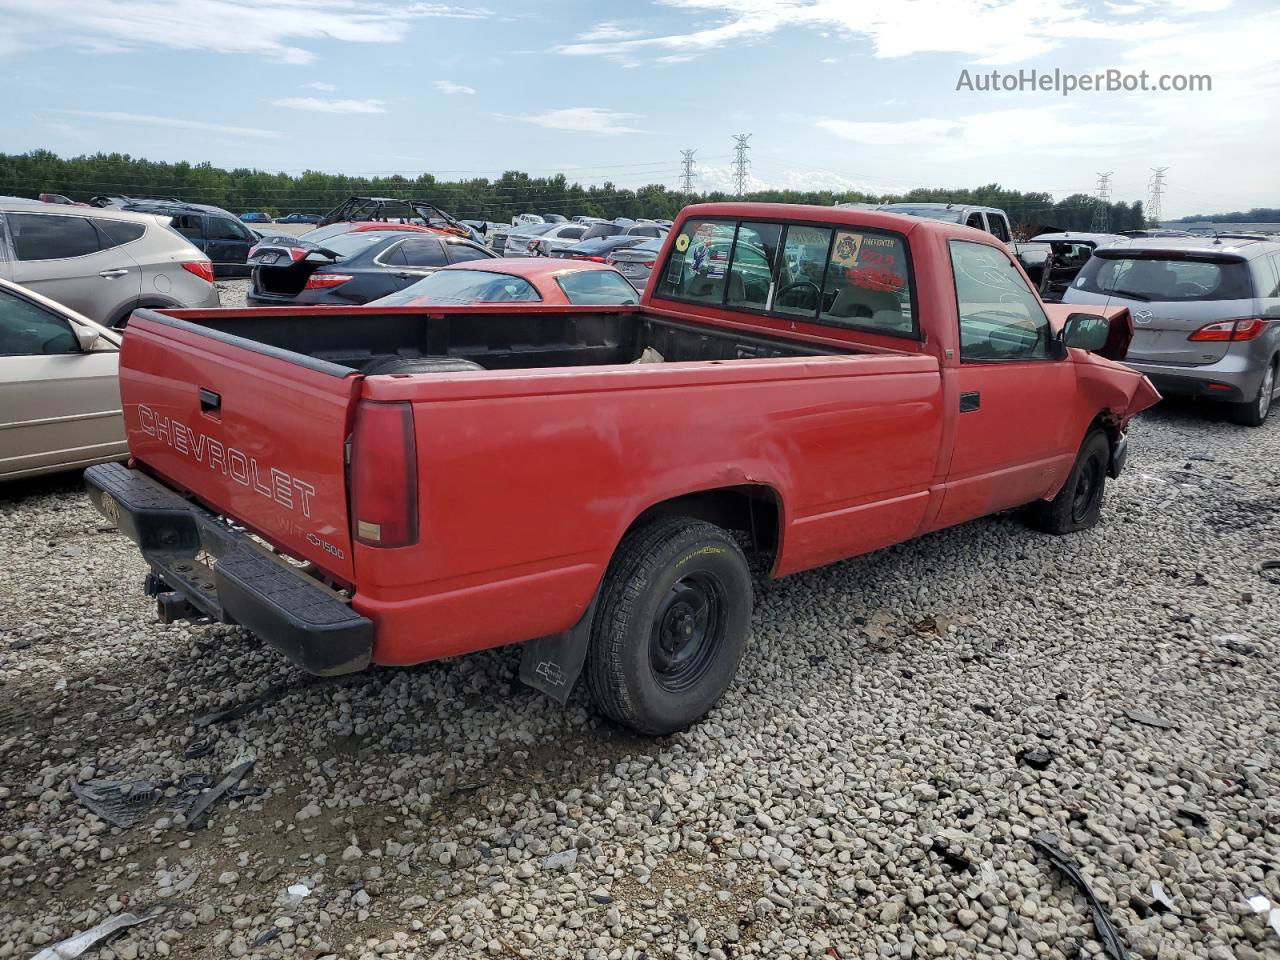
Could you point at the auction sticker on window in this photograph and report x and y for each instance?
(682, 242)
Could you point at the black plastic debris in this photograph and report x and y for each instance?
(238, 710)
(266, 936)
(122, 803)
(198, 815)
(195, 781)
(1193, 815)
(1148, 719)
(79, 943)
(201, 748)
(958, 862)
(1037, 758)
(1047, 845)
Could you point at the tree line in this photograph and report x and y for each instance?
(1254, 215)
(481, 198)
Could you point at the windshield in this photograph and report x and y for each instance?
(324, 233)
(1165, 279)
(350, 244)
(602, 230)
(463, 286)
(533, 229)
(931, 213)
(596, 287)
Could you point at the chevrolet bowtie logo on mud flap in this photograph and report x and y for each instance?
(550, 671)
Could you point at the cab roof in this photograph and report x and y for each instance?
(829, 216)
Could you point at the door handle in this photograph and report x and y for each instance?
(210, 403)
(112, 274)
(969, 402)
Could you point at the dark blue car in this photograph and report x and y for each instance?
(353, 267)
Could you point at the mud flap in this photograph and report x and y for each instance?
(553, 664)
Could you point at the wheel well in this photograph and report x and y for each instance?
(120, 319)
(751, 509)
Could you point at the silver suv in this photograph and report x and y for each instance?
(1206, 315)
(102, 263)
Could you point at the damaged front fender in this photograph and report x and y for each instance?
(1115, 389)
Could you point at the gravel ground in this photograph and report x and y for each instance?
(864, 790)
(233, 292)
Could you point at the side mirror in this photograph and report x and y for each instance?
(1106, 337)
(86, 338)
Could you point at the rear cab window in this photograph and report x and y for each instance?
(1165, 278)
(829, 275)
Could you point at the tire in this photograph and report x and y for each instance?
(1253, 413)
(671, 626)
(1079, 503)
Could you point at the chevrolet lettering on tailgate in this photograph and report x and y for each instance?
(244, 469)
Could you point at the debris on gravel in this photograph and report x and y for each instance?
(856, 794)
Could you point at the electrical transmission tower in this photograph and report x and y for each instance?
(1156, 187)
(686, 171)
(1102, 208)
(740, 162)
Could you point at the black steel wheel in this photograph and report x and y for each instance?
(671, 625)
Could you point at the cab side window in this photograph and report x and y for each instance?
(27, 330)
(999, 229)
(1000, 317)
(975, 221)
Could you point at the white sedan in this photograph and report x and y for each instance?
(59, 393)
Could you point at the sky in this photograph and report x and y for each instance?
(843, 94)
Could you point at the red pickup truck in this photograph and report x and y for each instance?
(395, 485)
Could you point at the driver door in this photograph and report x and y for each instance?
(1013, 399)
(59, 405)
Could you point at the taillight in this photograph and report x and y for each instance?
(597, 259)
(325, 281)
(384, 475)
(201, 268)
(1232, 330)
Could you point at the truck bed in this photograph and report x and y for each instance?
(364, 339)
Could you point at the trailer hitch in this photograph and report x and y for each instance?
(174, 606)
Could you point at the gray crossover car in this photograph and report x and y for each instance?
(1206, 315)
(102, 263)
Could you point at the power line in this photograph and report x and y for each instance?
(1102, 208)
(740, 162)
(686, 171)
(1156, 198)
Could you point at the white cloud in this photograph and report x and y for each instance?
(452, 89)
(583, 120)
(989, 31)
(606, 31)
(320, 105)
(322, 87)
(146, 119)
(270, 30)
(1001, 131)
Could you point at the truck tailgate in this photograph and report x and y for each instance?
(255, 433)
